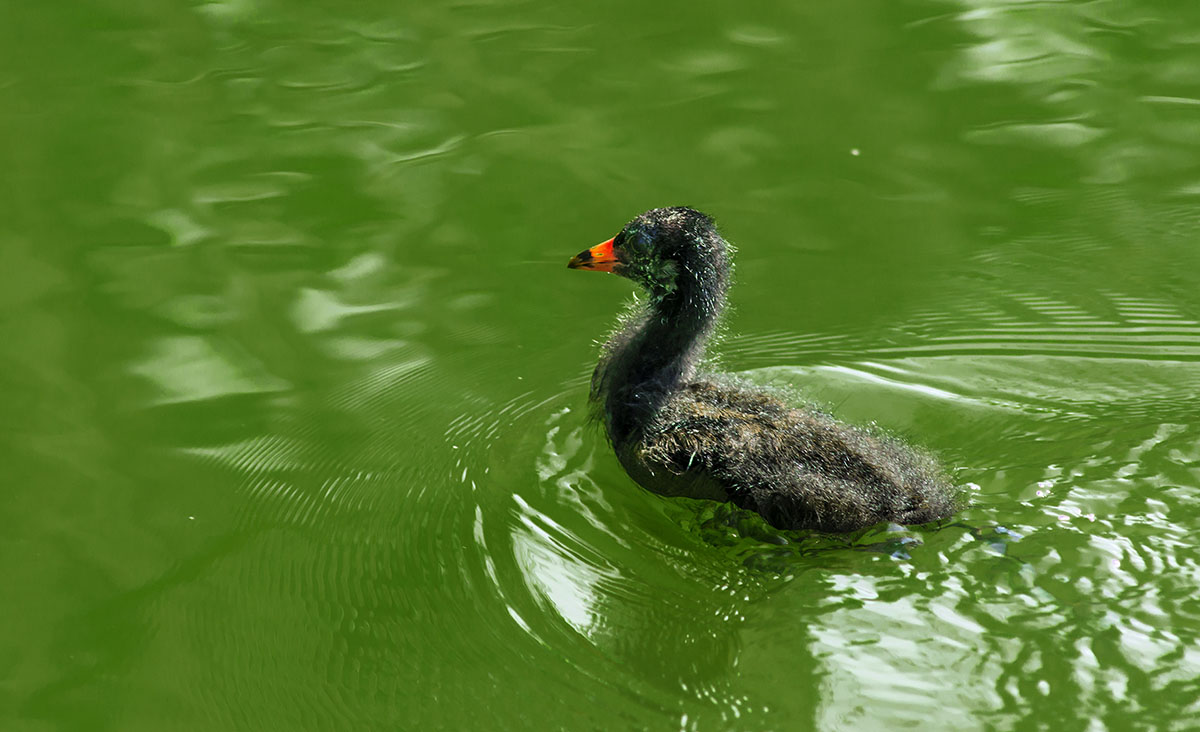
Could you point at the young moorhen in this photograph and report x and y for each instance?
(680, 433)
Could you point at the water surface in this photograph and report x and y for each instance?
(294, 382)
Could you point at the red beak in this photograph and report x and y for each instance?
(601, 258)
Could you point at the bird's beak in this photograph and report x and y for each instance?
(601, 258)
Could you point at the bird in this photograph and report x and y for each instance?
(680, 431)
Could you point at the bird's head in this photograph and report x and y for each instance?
(663, 250)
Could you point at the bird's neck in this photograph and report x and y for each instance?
(655, 353)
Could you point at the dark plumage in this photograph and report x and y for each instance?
(678, 433)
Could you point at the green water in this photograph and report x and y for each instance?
(293, 386)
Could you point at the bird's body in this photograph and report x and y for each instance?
(681, 433)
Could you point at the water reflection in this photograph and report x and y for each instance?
(565, 583)
(190, 369)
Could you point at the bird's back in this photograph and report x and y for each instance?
(799, 468)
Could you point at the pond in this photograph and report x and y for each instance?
(295, 377)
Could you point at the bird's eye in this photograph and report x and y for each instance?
(629, 243)
(635, 242)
